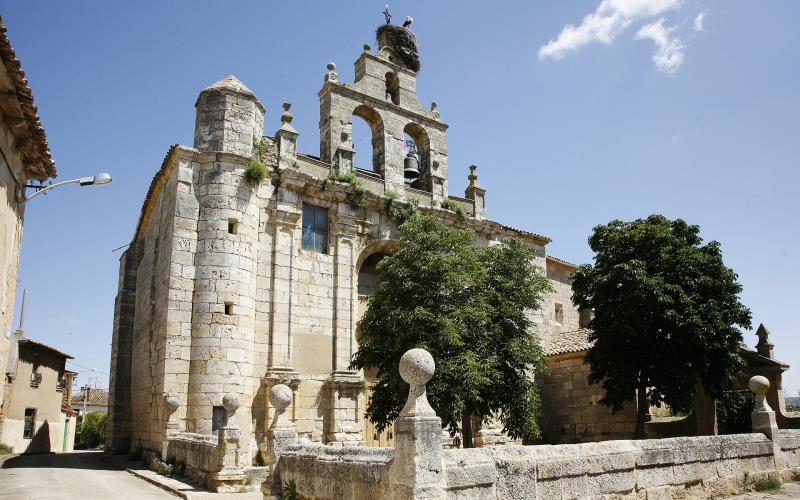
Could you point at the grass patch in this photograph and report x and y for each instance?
(768, 485)
(6, 449)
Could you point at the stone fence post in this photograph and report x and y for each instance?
(231, 470)
(417, 470)
(763, 416)
(171, 403)
(281, 434)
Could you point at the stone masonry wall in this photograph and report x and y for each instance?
(12, 177)
(152, 309)
(119, 391)
(572, 411)
(694, 467)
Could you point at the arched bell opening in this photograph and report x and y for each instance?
(416, 164)
(393, 87)
(368, 135)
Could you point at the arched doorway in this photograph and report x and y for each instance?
(367, 280)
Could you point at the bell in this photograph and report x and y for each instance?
(411, 166)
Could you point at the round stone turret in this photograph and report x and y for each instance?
(229, 117)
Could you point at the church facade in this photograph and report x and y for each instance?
(231, 286)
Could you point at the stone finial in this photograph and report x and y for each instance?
(231, 403)
(476, 193)
(171, 402)
(367, 47)
(416, 369)
(764, 347)
(759, 385)
(332, 75)
(435, 111)
(280, 396)
(287, 115)
(473, 177)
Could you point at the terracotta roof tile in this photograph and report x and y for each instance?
(97, 397)
(41, 345)
(566, 342)
(39, 164)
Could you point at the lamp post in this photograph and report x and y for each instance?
(100, 179)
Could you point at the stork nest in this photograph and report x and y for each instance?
(402, 42)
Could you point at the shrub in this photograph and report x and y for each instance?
(733, 412)
(357, 195)
(453, 206)
(93, 429)
(256, 170)
(397, 210)
(796, 476)
(768, 485)
(5, 449)
(290, 491)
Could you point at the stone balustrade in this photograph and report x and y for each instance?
(419, 468)
(211, 460)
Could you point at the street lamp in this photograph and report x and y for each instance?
(100, 179)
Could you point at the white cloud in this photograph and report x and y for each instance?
(669, 56)
(698, 21)
(611, 18)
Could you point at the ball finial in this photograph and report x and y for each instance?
(331, 66)
(172, 402)
(280, 396)
(759, 384)
(231, 402)
(417, 366)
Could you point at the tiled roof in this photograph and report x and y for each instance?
(562, 262)
(40, 345)
(21, 114)
(566, 342)
(97, 397)
(151, 191)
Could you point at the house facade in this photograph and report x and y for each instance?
(37, 418)
(24, 156)
(231, 286)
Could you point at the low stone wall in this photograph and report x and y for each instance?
(419, 468)
(660, 468)
(789, 442)
(320, 471)
(198, 452)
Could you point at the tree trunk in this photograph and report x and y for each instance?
(642, 410)
(466, 430)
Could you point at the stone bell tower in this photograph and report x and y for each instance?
(384, 94)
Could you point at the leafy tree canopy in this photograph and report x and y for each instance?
(466, 304)
(667, 313)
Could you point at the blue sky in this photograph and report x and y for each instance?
(637, 108)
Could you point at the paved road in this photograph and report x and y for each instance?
(78, 475)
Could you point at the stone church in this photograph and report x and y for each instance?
(230, 286)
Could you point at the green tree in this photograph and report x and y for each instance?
(466, 304)
(93, 429)
(666, 314)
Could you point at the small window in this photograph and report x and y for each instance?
(233, 226)
(559, 313)
(30, 423)
(229, 308)
(315, 229)
(217, 418)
